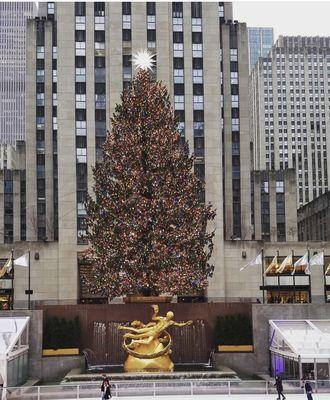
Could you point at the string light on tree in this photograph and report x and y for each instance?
(144, 60)
(147, 227)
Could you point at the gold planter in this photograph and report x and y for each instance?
(148, 299)
(60, 352)
(246, 348)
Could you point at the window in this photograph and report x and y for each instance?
(151, 22)
(51, 8)
(177, 25)
(126, 22)
(234, 101)
(99, 8)
(198, 102)
(80, 75)
(99, 23)
(179, 102)
(235, 124)
(178, 49)
(81, 128)
(81, 155)
(178, 76)
(233, 55)
(177, 9)
(80, 48)
(265, 187)
(80, 36)
(279, 187)
(40, 52)
(197, 50)
(126, 8)
(234, 78)
(80, 8)
(196, 24)
(221, 10)
(80, 23)
(196, 9)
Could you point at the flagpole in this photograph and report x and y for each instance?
(309, 275)
(262, 275)
(12, 279)
(278, 276)
(29, 283)
(325, 281)
(294, 278)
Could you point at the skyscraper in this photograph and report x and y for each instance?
(13, 20)
(261, 41)
(79, 60)
(289, 119)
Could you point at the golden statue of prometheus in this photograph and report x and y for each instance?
(149, 345)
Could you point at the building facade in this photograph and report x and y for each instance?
(289, 99)
(274, 205)
(261, 41)
(78, 62)
(13, 21)
(313, 219)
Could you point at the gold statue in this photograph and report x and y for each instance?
(149, 345)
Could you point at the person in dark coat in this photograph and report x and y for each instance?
(308, 390)
(279, 387)
(105, 389)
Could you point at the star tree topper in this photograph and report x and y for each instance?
(144, 60)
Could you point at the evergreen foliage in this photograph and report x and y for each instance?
(233, 330)
(61, 333)
(145, 222)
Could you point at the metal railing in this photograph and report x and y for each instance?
(156, 388)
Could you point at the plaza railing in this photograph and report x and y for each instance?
(141, 388)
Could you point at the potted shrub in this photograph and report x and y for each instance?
(233, 333)
(61, 337)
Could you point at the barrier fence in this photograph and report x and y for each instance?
(157, 388)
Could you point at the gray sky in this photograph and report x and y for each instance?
(304, 18)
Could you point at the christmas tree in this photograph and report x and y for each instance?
(146, 224)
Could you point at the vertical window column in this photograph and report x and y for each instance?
(265, 211)
(151, 26)
(40, 131)
(151, 33)
(99, 78)
(198, 90)
(178, 66)
(127, 43)
(23, 204)
(235, 126)
(8, 207)
(81, 123)
(280, 210)
(54, 94)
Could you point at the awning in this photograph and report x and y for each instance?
(304, 340)
(13, 341)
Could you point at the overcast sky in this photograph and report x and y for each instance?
(305, 18)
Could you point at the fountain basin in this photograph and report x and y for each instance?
(116, 373)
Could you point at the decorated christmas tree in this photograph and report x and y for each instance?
(146, 225)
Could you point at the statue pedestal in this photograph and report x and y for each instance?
(158, 364)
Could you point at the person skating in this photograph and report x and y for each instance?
(105, 388)
(308, 390)
(279, 387)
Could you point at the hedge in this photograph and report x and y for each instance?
(233, 330)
